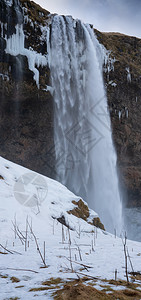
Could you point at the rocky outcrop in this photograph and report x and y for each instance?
(26, 108)
(123, 83)
(26, 111)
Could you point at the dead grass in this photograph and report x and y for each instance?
(1, 177)
(14, 279)
(34, 11)
(79, 292)
(106, 288)
(80, 211)
(43, 288)
(3, 252)
(115, 34)
(126, 49)
(124, 283)
(126, 295)
(11, 298)
(97, 223)
(4, 276)
(137, 277)
(50, 284)
(52, 281)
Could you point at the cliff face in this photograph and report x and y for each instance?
(26, 105)
(124, 96)
(26, 111)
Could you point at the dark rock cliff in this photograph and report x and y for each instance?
(124, 96)
(26, 111)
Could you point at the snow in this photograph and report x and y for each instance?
(112, 83)
(15, 46)
(4, 77)
(103, 257)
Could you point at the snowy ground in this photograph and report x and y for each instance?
(31, 203)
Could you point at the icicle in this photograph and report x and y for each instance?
(9, 2)
(128, 74)
(108, 61)
(15, 46)
(48, 45)
(119, 114)
(126, 111)
(1, 25)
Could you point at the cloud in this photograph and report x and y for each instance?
(106, 15)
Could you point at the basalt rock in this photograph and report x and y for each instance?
(123, 84)
(26, 111)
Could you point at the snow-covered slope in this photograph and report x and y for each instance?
(31, 204)
(25, 192)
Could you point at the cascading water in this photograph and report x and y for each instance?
(85, 155)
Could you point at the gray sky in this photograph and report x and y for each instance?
(106, 15)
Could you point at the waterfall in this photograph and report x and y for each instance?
(85, 155)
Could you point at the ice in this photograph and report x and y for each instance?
(112, 83)
(4, 77)
(128, 74)
(15, 46)
(108, 61)
(1, 26)
(9, 2)
(49, 88)
(127, 113)
(119, 114)
(48, 45)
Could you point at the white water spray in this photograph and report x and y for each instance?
(85, 155)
